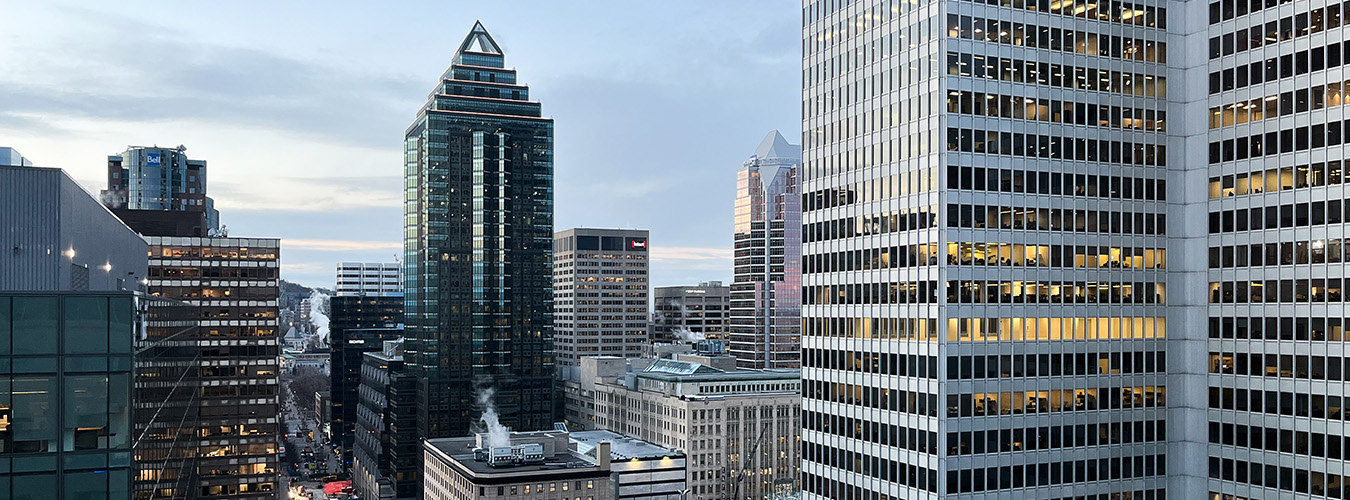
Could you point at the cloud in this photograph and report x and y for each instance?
(318, 194)
(338, 245)
(693, 257)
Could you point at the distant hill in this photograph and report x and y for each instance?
(292, 293)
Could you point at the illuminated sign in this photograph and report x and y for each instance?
(637, 244)
(152, 159)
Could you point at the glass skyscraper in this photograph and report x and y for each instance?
(764, 327)
(478, 247)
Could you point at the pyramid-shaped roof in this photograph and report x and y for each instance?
(479, 41)
(775, 146)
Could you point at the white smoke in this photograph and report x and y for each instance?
(318, 303)
(686, 335)
(497, 435)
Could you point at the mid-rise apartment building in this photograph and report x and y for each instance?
(684, 313)
(738, 428)
(386, 449)
(599, 293)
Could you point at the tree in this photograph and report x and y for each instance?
(305, 383)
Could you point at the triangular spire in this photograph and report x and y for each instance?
(479, 41)
(775, 146)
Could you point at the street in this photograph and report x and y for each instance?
(295, 481)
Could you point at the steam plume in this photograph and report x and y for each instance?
(497, 435)
(318, 303)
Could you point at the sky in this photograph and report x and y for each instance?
(299, 108)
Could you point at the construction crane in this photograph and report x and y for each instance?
(745, 460)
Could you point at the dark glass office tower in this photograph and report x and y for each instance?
(478, 247)
(358, 324)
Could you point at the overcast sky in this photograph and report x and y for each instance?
(299, 108)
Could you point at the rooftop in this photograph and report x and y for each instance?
(459, 451)
(621, 447)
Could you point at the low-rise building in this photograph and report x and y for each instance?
(531, 466)
(639, 470)
(738, 428)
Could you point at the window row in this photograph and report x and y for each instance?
(1052, 146)
(924, 329)
(1064, 40)
(871, 258)
(1288, 404)
(1299, 290)
(902, 220)
(1083, 257)
(1065, 400)
(1281, 141)
(1279, 254)
(1318, 328)
(1049, 110)
(1273, 106)
(1006, 180)
(881, 398)
(1275, 68)
(1281, 440)
(1055, 219)
(1316, 213)
(1278, 365)
(881, 468)
(902, 292)
(862, 19)
(1118, 12)
(1274, 476)
(1277, 179)
(1055, 473)
(875, 189)
(904, 365)
(1055, 437)
(1015, 329)
(1303, 23)
(871, 431)
(1054, 292)
(1056, 75)
(1054, 365)
(1223, 10)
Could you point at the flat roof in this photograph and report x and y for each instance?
(621, 447)
(460, 452)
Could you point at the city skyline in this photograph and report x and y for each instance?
(719, 78)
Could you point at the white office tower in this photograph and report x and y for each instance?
(985, 235)
(374, 279)
(600, 291)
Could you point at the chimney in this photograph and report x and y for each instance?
(602, 455)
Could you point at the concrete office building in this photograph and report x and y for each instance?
(385, 451)
(766, 288)
(599, 293)
(380, 279)
(453, 470)
(160, 191)
(991, 194)
(738, 428)
(478, 249)
(701, 312)
(358, 324)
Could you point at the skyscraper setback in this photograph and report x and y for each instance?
(478, 247)
(766, 290)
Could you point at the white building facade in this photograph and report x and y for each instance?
(600, 287)
(379, 279)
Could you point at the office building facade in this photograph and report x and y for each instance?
(766, 287)
(381, 279)
(478, 246)
(358, 324)
(986, 220)
(144, 182)
(235, 284)
(386, 449)
(600, 284)
(546, 468)
(692, 312)
(738, 428)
